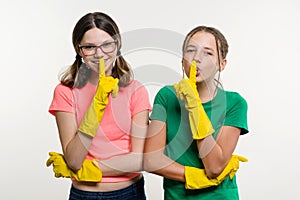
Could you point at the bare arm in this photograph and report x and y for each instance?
(133, 161)
(75, 146)
(155, 161)
(215, 154)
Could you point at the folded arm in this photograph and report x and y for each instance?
(155, 161)
(133, 161)
(215, 154)
(74, 145)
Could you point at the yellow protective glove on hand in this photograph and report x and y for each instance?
(231, 167)
(196, 178)
(94, 114)
(88, 172)
(186, 90)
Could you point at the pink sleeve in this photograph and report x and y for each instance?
(62, 100)
(139, 99)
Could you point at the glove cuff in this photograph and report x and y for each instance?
(196, 178)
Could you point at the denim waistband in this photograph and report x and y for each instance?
(134, 191)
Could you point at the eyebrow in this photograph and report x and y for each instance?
(93, 44)
(206, 48)
(191, 45)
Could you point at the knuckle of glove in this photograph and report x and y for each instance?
(109, 84)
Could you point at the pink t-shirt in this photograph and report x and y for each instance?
(113, 136)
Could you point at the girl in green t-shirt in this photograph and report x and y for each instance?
(195, 125)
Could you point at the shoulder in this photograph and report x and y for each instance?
(62, 91)
(236, 112)
(62, 88)
(167, 90)
(134, 87)
(234, 101)
(138, 96)
(166, 95)
(62, 99)
(134, 84)
(235, 98)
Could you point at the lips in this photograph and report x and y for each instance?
(97, 62)
(198, 72)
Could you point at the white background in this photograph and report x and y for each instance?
(263, 66)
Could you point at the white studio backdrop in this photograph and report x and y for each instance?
(263, 66)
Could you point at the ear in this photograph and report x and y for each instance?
(223, 64)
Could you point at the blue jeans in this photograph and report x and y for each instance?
(135, 191)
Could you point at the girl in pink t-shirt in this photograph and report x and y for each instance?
(119, 141)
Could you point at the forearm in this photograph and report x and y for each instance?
(123, 164)
(173, 171)
(74, 144)
(164, 166)
(155, 161)
(76, 150)
(212, 156)
(132, 161)
(215, 154)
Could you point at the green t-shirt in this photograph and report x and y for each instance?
(226, 109)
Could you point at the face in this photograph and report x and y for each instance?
(202, 48)
(93, 38)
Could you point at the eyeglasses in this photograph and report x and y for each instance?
(90, 50)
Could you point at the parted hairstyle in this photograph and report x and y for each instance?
(221, 43)
(121, 69)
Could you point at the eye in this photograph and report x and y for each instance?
(108, 44)
(190, 50)
(207, 53)
(88, 47)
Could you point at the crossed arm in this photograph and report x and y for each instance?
(75, 145)
(155, 161)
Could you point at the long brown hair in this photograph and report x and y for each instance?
(121, 69)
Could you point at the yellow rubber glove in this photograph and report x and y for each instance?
(186, 90)
(196, 178)
(94, 114)
(88, 172)
(231, 167)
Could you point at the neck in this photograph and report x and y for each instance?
(206, 90)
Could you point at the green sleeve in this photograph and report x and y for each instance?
(159, 111)
(237, 114)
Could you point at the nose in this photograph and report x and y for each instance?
(99, 53)
(198, 56)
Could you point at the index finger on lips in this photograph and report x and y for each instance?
(193, 71)
(101, 68)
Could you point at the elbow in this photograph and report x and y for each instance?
(147, 164)
(75, 167)
(74, 164)
(135, 163)
(74, 160)
(213, 172)
(139, 164)
(150, 164)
